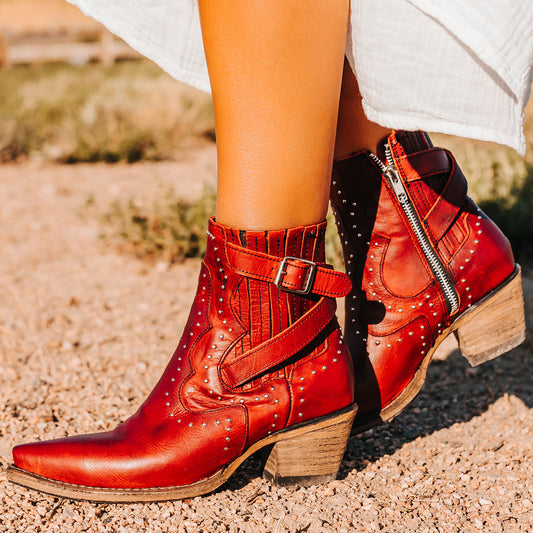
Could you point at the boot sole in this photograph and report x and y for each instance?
(305, 454)
(491, 327)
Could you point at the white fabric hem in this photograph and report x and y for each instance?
(516, 140)
(144, 48)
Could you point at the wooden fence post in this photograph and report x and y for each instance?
(107, 42)
(4, 59)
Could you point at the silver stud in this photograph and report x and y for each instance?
(224, 321)
(221, 336)
(171, 414)
(324, 367)
(230, 329)
(313, 372)
(190, 424)
(179, 420)
(377, 343)
(225, 449)
(210, 392)
(276, 401)
(257, 398)
(172, 379)
(206, 381)
(276, 415)
(388, 345)
(300, 414)
(334, 360)
(204, 424)
(206, 367)
(410, 333)
(302, 400)
(179, 369)
(209, 357)
(371, 269)
(168, 404)
(371, 256)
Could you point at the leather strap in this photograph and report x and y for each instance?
(448, 204)
(297, 275)
(279, 348)
(427, 163)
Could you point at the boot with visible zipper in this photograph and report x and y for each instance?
(424, 262)
(256, 366)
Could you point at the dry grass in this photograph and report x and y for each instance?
(130, 111)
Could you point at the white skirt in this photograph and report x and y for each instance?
(449, 66)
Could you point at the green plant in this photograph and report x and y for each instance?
(513, 213)
(169, 229)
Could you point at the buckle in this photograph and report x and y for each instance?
(309, 280)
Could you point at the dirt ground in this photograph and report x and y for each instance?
(85, 332)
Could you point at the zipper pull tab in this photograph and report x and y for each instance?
(393, 177)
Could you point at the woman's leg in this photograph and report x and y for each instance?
(261, 351)
(354, 131)
(275, 68)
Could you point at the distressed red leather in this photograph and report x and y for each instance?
(396, 310)
(244, 368)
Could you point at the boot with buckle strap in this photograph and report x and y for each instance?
(425, 262)
(254, 368)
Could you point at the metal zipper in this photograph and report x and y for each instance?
(395, 181)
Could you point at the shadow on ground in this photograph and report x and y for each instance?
(454, 392)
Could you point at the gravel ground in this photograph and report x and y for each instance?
(86, 331)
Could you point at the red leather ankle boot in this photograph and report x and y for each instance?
(256, 366)
(424, 262)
